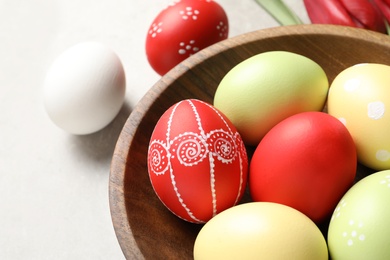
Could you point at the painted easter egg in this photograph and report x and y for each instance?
(360, 98)
(197, 162)
(307, 161)
(359, 227)
(182, 29)
(260, 230)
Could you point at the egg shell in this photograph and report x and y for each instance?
(307, 161)
(260, 230)
(197, 162)
(263, 90)
(360, 98)
(84, 88)
(182, 29)
(359, 227)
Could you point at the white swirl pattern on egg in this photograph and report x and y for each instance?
(191, 148)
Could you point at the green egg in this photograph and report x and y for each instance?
(359, 227)
(263, 90)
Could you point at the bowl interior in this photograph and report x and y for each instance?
(144, 227)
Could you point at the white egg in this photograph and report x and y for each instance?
(84, 88)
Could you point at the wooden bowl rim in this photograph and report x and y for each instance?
(118, 164)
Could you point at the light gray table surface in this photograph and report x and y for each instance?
(53, 185)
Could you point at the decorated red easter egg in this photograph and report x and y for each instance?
(182, 29)
(197, 161)
(307, 161)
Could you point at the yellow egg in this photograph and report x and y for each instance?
(263, 90)
(360, 98)
(260, 230)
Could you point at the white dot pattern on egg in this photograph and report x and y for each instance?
(337, 212)
(385, 181)
(382, 155)
(156, 29)
(352, 85)
(352, 234)
(376, 110)
(187, 47)
(189, 13)
(223, 29)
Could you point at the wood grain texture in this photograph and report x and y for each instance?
(144, 227)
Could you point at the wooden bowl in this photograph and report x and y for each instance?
(144, 227)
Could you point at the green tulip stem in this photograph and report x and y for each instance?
(280, 12)
(387, 27)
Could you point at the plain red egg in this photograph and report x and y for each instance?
(197, 161)
(182, 29)
(307, 161)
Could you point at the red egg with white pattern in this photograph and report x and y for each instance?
(182, 29)
(197, 161)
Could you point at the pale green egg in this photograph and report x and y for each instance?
(263, 90)
(359, 227)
